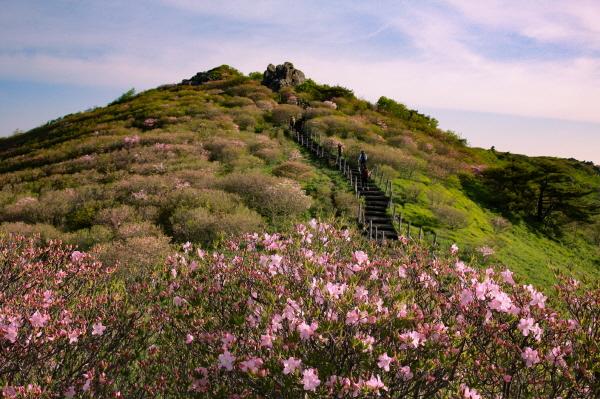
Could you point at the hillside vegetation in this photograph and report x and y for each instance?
(196, 163)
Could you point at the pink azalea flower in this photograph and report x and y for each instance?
(405, 373)
(306, 330)
(469, 393)
(39, 320)
(266, 340)
(77, 256)
(226, 360)
(530, 356)
(310, 379)
(179, 301)
(73, 336)
(189, 338)
(454, 249)
(507, 276)
(335, 290)
(466, 297)
(375, 384)
(98, 328)
(70, 392)
(384, 362)
(360, 257)
(290, 365)
(187, 247)
(9, 392)
(251, 365)
(11, 332)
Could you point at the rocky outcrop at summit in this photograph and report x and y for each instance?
(284, 75)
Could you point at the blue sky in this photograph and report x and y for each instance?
(523, 76)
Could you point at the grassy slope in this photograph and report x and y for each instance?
(235, 127)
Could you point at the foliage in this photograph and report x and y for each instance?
(399, 110)
(128, 95)
(315, 313)
(322, 92)
(543, 190)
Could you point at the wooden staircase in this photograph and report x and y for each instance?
(373, 216)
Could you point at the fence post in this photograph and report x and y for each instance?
(376, 233)
(370, 229)
(359, 211)
(420, 232)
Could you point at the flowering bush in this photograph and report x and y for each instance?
(64, 327)
(316, 313)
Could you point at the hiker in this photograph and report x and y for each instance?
(340, 149)
(362, 159)
(293, 123)
(362, 165)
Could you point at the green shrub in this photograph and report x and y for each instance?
(283, 113)
(200, 225)
(452, 217)
(45, 231)
(270, 196)
(293, 170)
(128, 95)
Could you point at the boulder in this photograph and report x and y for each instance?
(284, 75)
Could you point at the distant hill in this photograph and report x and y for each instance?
(210, 157)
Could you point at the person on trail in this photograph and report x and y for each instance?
(340, 149)
(293, 123)
(362, 159)
(362, 163)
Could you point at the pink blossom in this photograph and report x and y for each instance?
(39, 320)
(9, 392)
(98, 328)
(530, 356)
(251, 365)
(11, 331)
(507, 378)
(360, 257)
(415, 338)
(469, 393)
(70, 392)
(405, 373)
(384, 362)
(507, 276)
(310, 379)
(361, 294)
(290, 365)
(73, 336)
(375, 384)
(226, 360)
(306, 330)
(466, 297)
(537, 298)
(179, 301)
(187, 247)
(227, 339)
(454, 249)
(189, 338)
(77, 256)
(335, 290)
(266, 340)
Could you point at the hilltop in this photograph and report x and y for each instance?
(210, 157)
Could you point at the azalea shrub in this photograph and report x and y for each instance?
(318, 312)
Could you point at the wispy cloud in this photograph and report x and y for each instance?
(525, 58)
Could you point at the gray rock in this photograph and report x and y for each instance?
(284, 75)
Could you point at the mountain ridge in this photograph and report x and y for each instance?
(229, 125)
